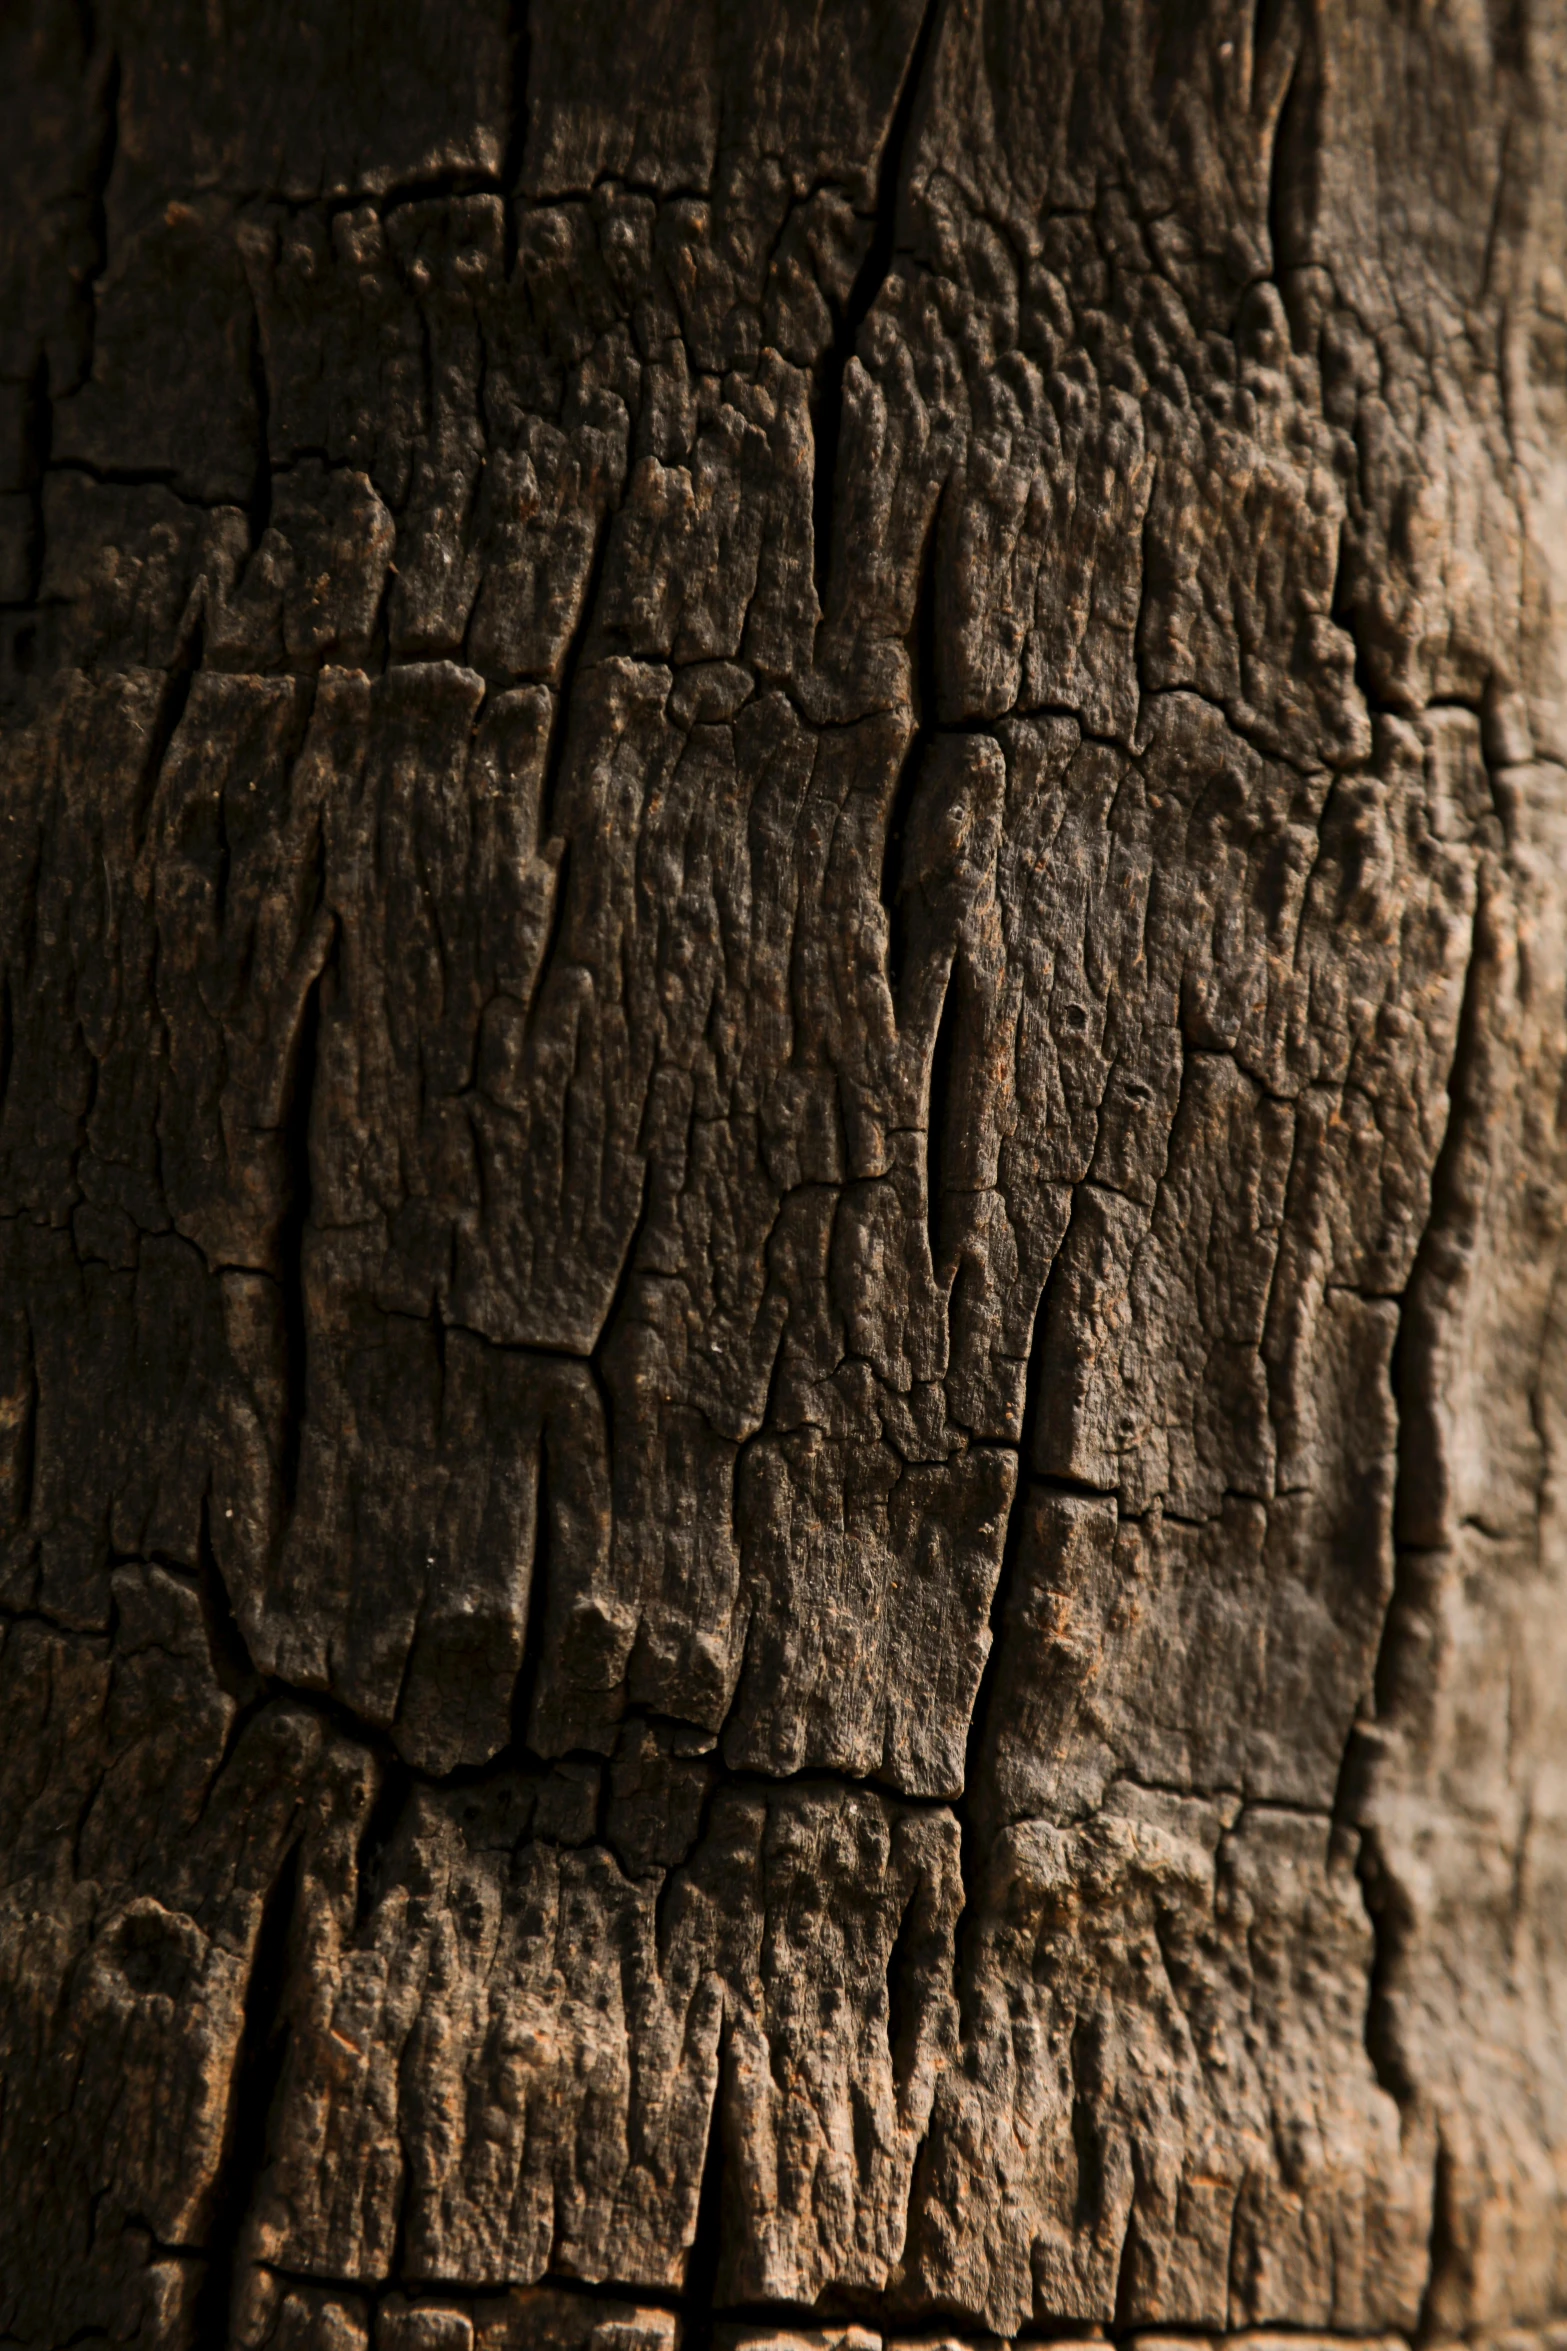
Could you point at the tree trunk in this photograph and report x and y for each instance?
(783, 892)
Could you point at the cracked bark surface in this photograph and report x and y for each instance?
(783, 1378)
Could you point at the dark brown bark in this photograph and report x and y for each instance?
(782, 887)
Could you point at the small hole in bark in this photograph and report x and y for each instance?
(152, 1953)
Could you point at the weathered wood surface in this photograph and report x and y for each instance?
(783, 899)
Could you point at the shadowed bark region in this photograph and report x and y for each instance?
(783, 1030)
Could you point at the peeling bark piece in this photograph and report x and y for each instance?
(529, 1992)
(311, 588)
(577, 2026)
(422, 2326)
(826, 2099)
(1161, 2071)
(870, 1616)
(542, 507)
(847, 2338)
(297, 2317)
(572, 2322)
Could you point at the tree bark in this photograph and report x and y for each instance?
(783, 900)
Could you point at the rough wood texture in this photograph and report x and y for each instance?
(783, 900)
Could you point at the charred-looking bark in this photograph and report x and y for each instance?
(783, 966)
